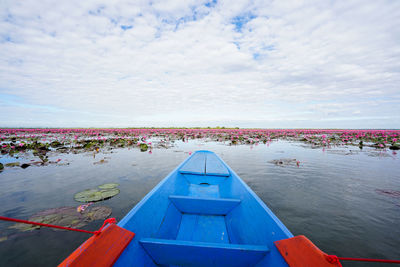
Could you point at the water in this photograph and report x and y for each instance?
(331, 197)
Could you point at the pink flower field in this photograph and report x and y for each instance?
(21, 138)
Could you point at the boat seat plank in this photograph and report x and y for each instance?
(195, 165)
(201, 190)
(203, 228)
(215, 167)
(200, 205)
(189, 253)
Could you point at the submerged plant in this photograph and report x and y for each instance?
(65, 216)
(285, 162)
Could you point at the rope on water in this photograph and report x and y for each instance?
(110, 220)
(335, 259)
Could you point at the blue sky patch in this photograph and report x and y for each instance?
(17, 101)
(126, 27)
(256, 56)
(269, 47)
(15, 62)
(237, 44)
(96, 11)
(6, 38)
(211, 3)
(241, 20)
(9, 99)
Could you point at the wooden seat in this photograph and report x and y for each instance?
(201, 205)
(189, 253)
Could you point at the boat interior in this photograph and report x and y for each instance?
(202, 214)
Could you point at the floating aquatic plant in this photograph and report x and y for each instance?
(144, 147)
(56, 144)
(40, 141)
(389, 192)
(13, 164)
(97, 213)
(88, 195)
(102, 161)
(82, 207)
(285, 162)
(108, 186)
(65, 216)
(105, 191)
(394, 147)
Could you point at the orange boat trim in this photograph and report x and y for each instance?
(299, 251)
(100, 250)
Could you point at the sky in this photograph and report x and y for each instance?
(257, 64)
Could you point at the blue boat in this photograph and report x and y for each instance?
(202, 214)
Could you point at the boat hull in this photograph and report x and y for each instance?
(202, 214)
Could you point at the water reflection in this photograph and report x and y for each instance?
(331, 197)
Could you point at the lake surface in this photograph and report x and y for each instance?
(344, 199)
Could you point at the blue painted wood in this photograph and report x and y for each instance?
(249, 223)
(203, 228)
(203, 190)
(196, 165)
(205, 179)
(171, 223)
(210, 229)
(188, 253)
(215, 167)
(201, 205)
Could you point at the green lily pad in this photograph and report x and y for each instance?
(109, 193)
(108, 186)
(13, 164)
(143, 147)
(55, 144)
(93, 195)
(65, 216)
(89, 195)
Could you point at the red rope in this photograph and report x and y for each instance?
(335, 259)
(110, 220)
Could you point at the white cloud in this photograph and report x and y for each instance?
(256, 64)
